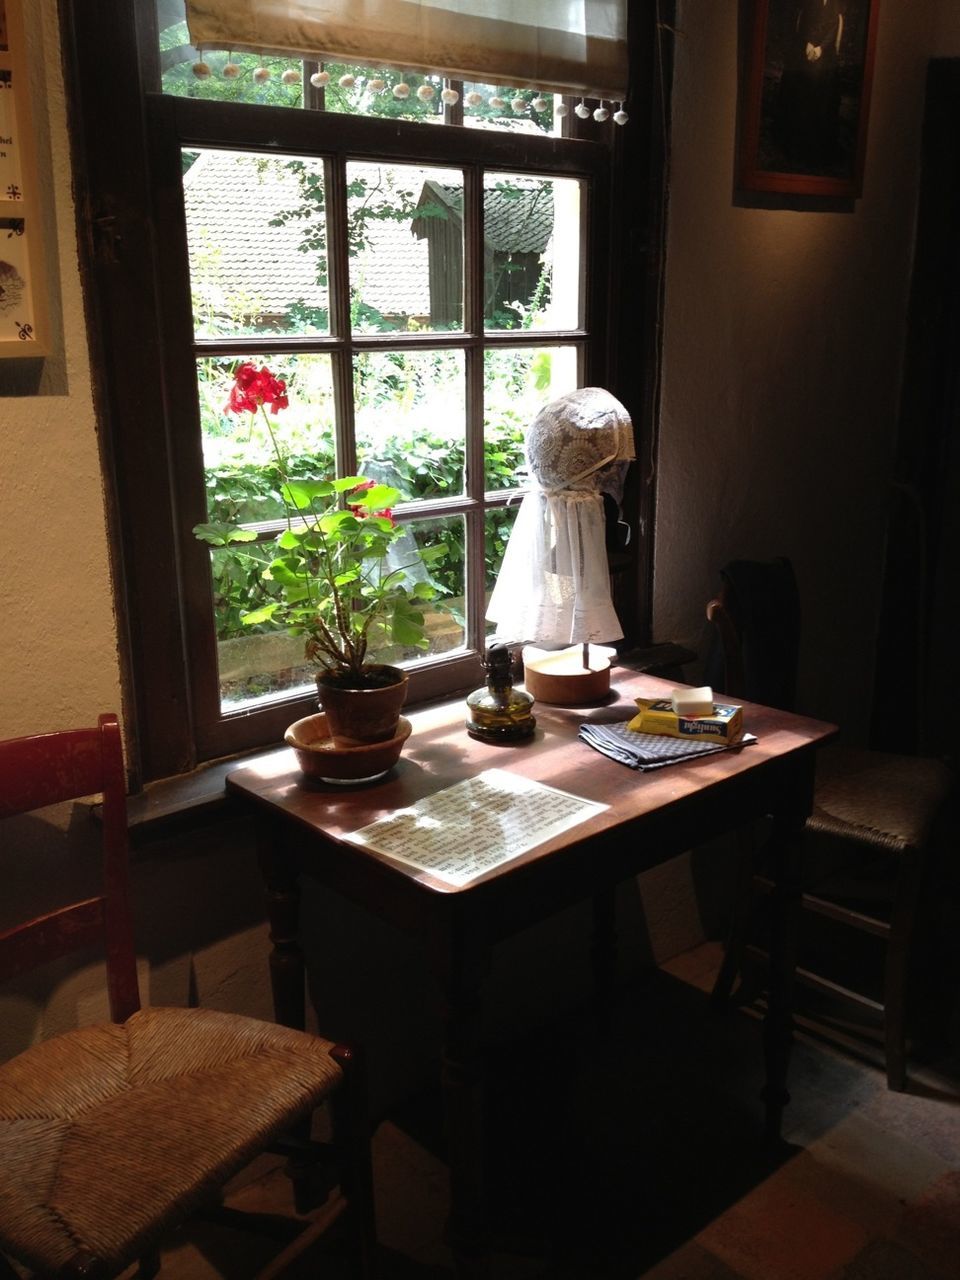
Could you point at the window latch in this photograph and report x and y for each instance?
(106, 237)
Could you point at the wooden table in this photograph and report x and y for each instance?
(651, 816)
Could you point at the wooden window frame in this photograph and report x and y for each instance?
(129, 206)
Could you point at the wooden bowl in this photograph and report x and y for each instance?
(341, 765)
(558, 677)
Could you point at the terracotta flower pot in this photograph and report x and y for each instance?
(367, 711)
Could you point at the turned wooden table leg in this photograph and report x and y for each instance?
(462, 1086)
(280, 870)
(778, 1023)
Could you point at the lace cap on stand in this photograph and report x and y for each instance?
(554, 587)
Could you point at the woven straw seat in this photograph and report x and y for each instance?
(876, 816)
(885, 801)
(164, 1108)
(111, 1135)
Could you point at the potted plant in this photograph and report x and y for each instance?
(333, 581)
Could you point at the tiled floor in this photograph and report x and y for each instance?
(640, 1155)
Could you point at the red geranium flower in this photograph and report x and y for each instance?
(253, 388)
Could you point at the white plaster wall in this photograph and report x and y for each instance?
(947, 34)
(779, 405)
(58, 647)
(782, 350)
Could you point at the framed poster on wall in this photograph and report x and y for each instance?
(23, 323)
(805, 96)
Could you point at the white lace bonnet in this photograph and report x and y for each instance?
(554, 586)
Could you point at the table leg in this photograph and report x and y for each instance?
(462, 1086)
(778, 1023)
(281, 871)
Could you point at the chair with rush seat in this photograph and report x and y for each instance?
(867, 842)
(113, 1134)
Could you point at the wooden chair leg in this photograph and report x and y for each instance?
(350, 1121)
(300, 1169)
(734, 948)
(896, 976)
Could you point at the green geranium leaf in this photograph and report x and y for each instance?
(382, 523)
(301, 493)
(339, 522)
(378, 498)
(263, 614)
(404, 631)
(348, 482)
(281, 572)
(289, 539)
(220, 534)
(435, 552)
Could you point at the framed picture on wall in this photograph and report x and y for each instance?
(23, 312)
(806, 96)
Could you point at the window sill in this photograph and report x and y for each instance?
(200, 797)
(189, 799)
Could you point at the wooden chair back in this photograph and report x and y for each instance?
(756, 620)
(48, 769)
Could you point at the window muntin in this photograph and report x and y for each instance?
(224, 75)
(429, 405)
(470, 502)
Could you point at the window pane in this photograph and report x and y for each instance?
(443, 616)
(489, 106)
(517, 383)
(531, 230)
(369, 91)
(256, 237)
(254, 662)
(410, 420)
(227, 77)
(497, 524)
(239, 455)
(405, 238)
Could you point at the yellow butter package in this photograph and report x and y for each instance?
(656, 715)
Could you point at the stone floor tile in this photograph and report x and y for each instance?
(874, 1161)
(886, 1260)
(782, 1231)
(927, 1120)
(691, 1262)
(930, 1227)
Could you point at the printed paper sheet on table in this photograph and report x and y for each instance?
(474, 826)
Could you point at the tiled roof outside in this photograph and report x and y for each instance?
(231, 198)
(512, 223)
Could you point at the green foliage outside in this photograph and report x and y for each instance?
(355, 99)
(405, 436)
(244, 486)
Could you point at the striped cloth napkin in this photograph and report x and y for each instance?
(650, 750)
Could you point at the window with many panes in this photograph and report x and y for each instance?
(423, 279)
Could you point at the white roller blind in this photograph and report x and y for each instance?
(560, 46)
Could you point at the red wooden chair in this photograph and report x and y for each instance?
(113, 1134)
